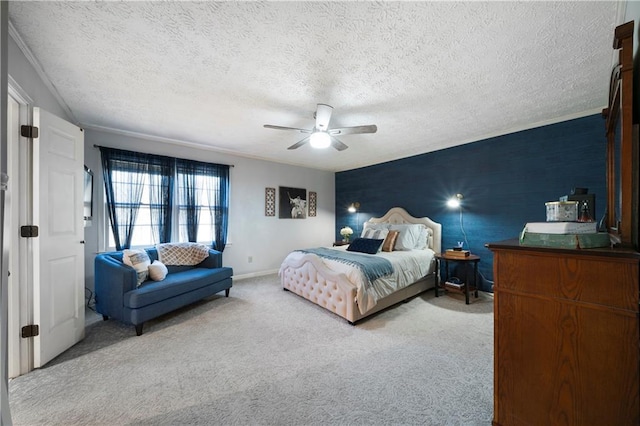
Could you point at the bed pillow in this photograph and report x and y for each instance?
(138, 260)
(423, 239)
(158, 271)
(365, 245)
(376, 234)
(390, 242)
(369, 225)
(409, 235)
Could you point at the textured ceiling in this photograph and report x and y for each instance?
(430, 75)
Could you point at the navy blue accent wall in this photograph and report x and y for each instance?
(505, 182)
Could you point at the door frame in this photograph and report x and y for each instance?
(21, 278)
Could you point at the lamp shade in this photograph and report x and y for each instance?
(320, 140)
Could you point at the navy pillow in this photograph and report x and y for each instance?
(365, 245)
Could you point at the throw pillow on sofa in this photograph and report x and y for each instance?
(158, 271)
(138, 260)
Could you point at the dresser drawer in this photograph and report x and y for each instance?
(608, 281)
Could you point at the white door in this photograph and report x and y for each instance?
(58, 168)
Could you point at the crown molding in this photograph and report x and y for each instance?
(31, 58)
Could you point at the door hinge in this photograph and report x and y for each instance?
(30, 330)
(28, 131)
(29, 231)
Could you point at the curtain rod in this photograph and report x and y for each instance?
(100, 146)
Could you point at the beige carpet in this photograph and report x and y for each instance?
(264, 356)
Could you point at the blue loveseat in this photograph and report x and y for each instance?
(118, 297)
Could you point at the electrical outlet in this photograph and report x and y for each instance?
(250, 259)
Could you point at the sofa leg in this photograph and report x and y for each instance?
(105, 317)
(226, 293)
(139, 329)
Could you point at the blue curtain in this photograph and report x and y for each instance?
(126, 173)
(189, 203)
(161, 172)
(215, 181)
(219, 204)
(123, 190)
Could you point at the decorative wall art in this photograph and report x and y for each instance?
(313, 202)
(293, 203)
(269, 201)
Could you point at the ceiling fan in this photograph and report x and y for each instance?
(321, 136)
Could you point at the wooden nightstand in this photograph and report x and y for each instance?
(340, 243)
(467, 287)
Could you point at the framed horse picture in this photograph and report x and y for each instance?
(292, 203)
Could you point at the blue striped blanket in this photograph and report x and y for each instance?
(372, 267)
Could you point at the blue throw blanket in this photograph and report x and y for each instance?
(372, 267)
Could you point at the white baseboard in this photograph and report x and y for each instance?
(254, 274)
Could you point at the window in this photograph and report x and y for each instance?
(204, 221)
(202, 201)
(142, 230)
(140, 192)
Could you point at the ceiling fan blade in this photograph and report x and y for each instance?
(372, 128)
(271, 126)
(338, 145)
(323, 116)
(299, 144)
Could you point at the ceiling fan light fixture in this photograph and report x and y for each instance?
(320, 140)
(321, 136)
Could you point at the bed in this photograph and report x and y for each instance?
(344, 289)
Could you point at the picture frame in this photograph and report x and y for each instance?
(292, 203)
(313, 203)
(269, 201)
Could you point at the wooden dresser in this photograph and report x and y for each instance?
(567, 338)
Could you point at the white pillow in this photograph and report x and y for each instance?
(376, 234)
(375, 226)
(429, 238)
(158, 271)
(138, 260)
(409, 236)
(423, 239)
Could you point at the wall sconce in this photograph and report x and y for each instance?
(354, 208)
(455, 202)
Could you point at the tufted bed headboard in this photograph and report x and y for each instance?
(398, 215)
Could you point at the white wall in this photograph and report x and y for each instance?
(251, 234)
(266, 239)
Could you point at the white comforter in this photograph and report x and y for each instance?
(408, 266)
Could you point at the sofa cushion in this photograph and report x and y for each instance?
(138, 260)
(173, 285)
(157, 271)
